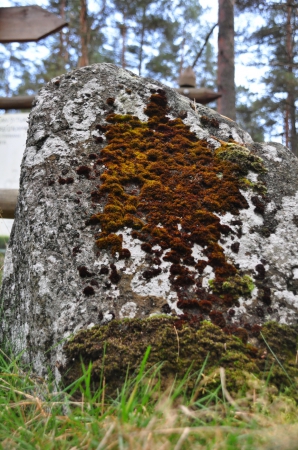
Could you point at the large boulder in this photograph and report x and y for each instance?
(134, 202)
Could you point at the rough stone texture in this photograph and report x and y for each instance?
(58, 280)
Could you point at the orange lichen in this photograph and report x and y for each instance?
(114, 277)
(217, 318)
(124, 253)
(211, 122)
(163, 182)
(83, 170)
(205, 306)
(112, 241)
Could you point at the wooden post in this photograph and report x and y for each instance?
(290, 84)
(18, 102)
(8, 201)
(83, 61)
(27, 24)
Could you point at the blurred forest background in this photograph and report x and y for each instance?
(158, 38)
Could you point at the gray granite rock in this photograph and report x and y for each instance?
(54, 280)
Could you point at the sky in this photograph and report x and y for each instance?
(244, 75)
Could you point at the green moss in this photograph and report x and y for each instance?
(236, 285)
(245, 159)
(112, 242)
(120, 346)
(258, 186)
(242, 286)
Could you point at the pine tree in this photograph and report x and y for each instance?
(154, 38)
(13, 63)
(142, 22)
(278, 39)
(183, 35)
(250, 115)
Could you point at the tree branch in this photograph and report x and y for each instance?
(199, 54)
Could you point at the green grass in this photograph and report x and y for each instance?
(3, 242)
(36, 415)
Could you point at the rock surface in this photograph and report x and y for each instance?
(133, 202)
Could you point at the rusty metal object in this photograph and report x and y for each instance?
(187, 78)
(200, 95)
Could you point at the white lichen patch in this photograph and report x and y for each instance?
(72, 113)
(270, 152)
(278, 253)
(208, 275)
(295, 272)
(8, 267)
(197, 252)
(282, 246)
(250, 249)
(128, 310)
(158, 286)
(245, 139)
(192, 121)
(252, 176)
(132, 104)
(52, 146)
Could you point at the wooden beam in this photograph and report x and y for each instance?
(27, 24)
(8, 201)
(18, 102)
(200, 95)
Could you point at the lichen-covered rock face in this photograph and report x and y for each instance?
(133, 202)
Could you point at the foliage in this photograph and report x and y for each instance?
(275, 48)
(249, 112)
(3, 241)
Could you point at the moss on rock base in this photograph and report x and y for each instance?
(119, 347)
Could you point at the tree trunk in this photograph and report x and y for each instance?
(124, 213)
(291, 79)
(287, 129)
(84, 59)
(226, 67)
(141, 52)
(123, 31)
(182, 49)
(63, 50)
